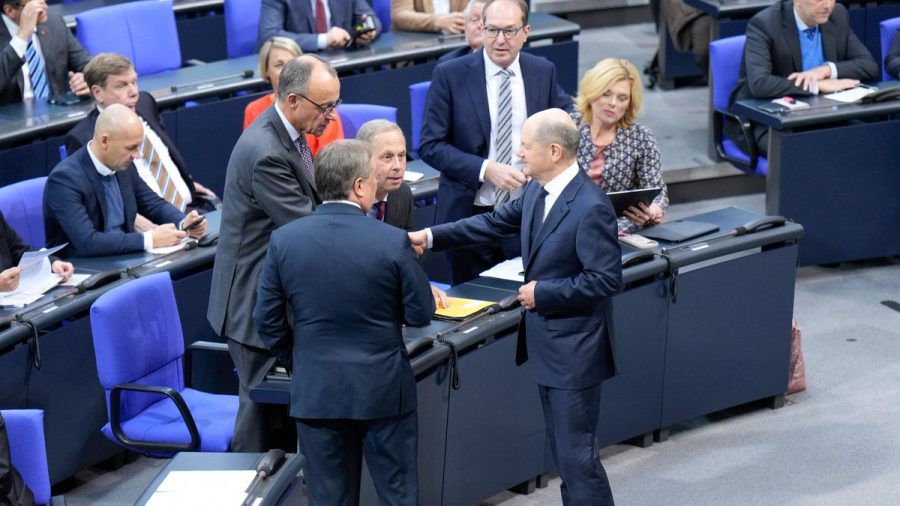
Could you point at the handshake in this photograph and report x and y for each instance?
(419, 240)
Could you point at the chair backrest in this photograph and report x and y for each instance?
(418, 92)
(143, 31)
(21, 204)
(354, 116)
(138, 339)
(382, 9)
(241, 26)
(889, 27)
(725, 67)
(28, 450)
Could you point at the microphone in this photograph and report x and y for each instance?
(266, 467)
(208, 83)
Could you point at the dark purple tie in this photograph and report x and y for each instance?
(379, 210)
(306, 155)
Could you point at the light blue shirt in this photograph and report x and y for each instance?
(808, 56)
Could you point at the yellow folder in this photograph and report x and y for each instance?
(460, 309)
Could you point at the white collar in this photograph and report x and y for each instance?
(556, 185)
(292, 132)
(800, 24)
(491, 69)
(102, 169)
(343, 201)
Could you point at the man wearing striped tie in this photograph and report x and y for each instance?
(473, 119)
(40, 57)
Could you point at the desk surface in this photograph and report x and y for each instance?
(821, 110)
(69, 10)
(729, 8)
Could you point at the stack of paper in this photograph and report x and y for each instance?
(511, 270)
(35, 279)
(202, 487)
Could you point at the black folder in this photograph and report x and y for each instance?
(678, 231)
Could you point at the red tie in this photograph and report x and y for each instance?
(321, 22)
(379, 210)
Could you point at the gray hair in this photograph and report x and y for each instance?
(564, 133)
(338, 165)
(372, 128)
(469, 4)
(296, 74)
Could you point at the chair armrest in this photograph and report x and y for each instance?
(718, 132)
(116, 423)
(211, 200)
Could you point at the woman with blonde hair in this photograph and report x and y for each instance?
(617, 152)
(273, 55)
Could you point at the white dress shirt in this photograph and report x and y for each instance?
(20, 46)
(322, 39)
(174, 174)
(556, 186)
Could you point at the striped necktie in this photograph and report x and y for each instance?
(504, 129)
(306, 155)
(36, 70)
(160, 173)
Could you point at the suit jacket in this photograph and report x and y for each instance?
(418, 15)
(12, 247)
(348, 356)
(892, 60)
(576, 260)
(62, 53)
(452, 144)
(456, 53)
(772, 52)
(146, 108)
(265, 187)
(75, 210)
(398, 209)
(296, 19)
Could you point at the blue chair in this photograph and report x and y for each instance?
(143, 31)
(888, 27)
(354, 115)
(21, 205)
(139, 349)
(28, 451)
(241, 26)
(724, 69)
(418, 92)
(382, 9)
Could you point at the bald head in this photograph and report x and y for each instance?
(118, 135)
(549, 144)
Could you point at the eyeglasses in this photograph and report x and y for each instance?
(324, 110)
(508, 33)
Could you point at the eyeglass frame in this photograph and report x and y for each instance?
(504, 31)
(324, 110)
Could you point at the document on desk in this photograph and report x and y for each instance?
(411, 177)
(851, 95)
(165, 250)
(511, 270)
(35, 279)
(202, 487)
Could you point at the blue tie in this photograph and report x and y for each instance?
(36, 70)
(115, 209)
(811, 48)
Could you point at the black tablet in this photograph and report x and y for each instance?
(625, 199)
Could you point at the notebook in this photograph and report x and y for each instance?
(678, 231)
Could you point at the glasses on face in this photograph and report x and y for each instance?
(508, 33)
(324, 110)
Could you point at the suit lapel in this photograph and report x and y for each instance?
(829, 42)
(790, 36)
(532, 98)
(529, 200)
(126, 189)
(93, 177)
(557, 213)
(294, 159)
(476, 85)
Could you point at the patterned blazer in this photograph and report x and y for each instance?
(632, 162)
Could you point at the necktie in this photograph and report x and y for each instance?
(321, 21)
(537, 219)
(379, 210)
(115, 208)
(306, 155)
(36, 70)
(160, 173)
(504, 129)
(810, 33)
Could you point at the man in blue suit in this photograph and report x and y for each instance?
(572, 262)
(317, 24)
(472, 122)
(352, 386)
(93, 196)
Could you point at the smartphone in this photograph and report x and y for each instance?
(195, 224)
(639, 241)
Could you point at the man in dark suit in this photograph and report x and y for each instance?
(329, 25)
(800, 48)
(572, 262)
(473, 117)
(353, 391)
(41, 58)
(269, 183)
(892, 60)
(92, 197)
(393, 199)
(474, 32)
(112, 80)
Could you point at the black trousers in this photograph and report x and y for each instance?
(334, 449)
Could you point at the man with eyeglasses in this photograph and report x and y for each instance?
(269, 182)
(40, 58)
(472, 123)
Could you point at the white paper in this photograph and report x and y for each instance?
(510, 270)
(35, 279)
(412, 176)
(202, 487)
(165, 250)
(76, 279)
(851, 95)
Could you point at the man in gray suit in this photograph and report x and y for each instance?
(40, 55)
(269, 183)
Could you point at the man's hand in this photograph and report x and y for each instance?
(807, 80)
(166, 235)
(366, 38)
(526, 295)
(33, 13)
(419, 240)
(833, 85)
(199, 188)
(454, 22)
(503, 176)
(78, 84)
(199, 230)
(441, 301)
(9, 279)
(337, 37)
(64, 269)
